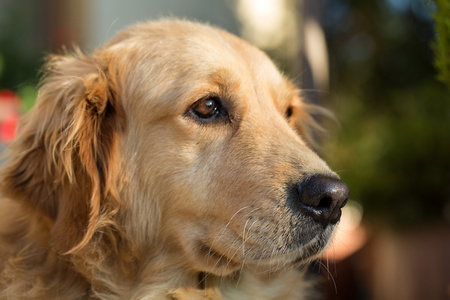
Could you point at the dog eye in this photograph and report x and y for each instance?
(207, 108)
(289, 112)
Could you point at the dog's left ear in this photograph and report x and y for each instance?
(63, 158)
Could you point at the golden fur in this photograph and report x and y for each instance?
(114, 189)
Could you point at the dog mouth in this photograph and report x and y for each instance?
(300, 252)
(295, 252)
(262, 239)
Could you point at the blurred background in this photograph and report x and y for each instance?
(369, 61)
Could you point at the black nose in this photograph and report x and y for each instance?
(322, 198)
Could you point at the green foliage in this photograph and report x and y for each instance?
(395, 158)
(28, 95)
(441, 44)
(22, 45)
(394, 144)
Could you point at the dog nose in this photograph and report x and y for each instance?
(322, 198)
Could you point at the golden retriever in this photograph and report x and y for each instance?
(172, 163)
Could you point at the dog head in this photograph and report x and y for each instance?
(181, 136)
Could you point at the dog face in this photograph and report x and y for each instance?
(193, 142)
(217, 135)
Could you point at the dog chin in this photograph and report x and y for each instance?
(316, 247)
(214, 262)
(300, 255)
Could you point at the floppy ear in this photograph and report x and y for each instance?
(62, 160)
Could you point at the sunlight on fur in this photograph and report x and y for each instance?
(172, 163)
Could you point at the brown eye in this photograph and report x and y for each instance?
(207, 108)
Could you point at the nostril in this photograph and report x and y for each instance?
(324, 203)
(322, 198)
(323, 206)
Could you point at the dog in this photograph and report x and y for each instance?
(174, 162)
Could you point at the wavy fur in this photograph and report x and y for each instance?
(114, 190)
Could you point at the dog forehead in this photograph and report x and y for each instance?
(190, 45)
(181, 60)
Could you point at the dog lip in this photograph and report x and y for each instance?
(213, 261)
(311, 250)
(209, 252)
(300, 252)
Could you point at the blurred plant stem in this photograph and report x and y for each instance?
(441, 44)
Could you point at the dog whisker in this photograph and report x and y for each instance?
(218, 236)
(161, 166)
(330, 275)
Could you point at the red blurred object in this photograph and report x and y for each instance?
(9, 114)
